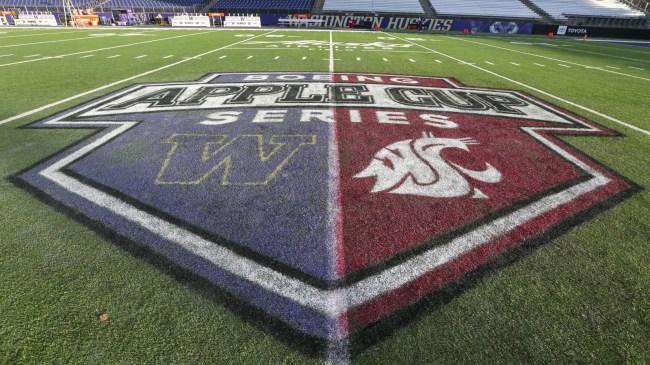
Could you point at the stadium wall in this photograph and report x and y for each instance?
(579, 31)
(397, 23)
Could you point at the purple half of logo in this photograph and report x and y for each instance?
(331, 202)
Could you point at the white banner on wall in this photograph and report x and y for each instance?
(36, 19)
(190, 21)
(243, 21)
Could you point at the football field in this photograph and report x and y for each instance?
(274, 196)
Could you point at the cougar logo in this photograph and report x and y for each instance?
(416, 167)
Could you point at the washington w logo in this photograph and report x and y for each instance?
(416, 167)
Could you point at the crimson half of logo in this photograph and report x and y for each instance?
(331, 203)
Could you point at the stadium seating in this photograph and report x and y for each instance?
(152, 4)
(562, 9)
(264, 6)
(491, 8)
(375, 6)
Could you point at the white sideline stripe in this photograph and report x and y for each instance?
(113, 56)
(34, 111)
(602, 115)
(144, 55)
(331, 60)
(34, 55)
(171, 55)
(512, 63)
(539, 64)
(57, 41)
(563, 65)
(86, 56)
(102, 49)
(546, 57)
(637, 68)
(609, 55)
(489, 63)
(32, 34)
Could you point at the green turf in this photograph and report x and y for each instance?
(582, 298)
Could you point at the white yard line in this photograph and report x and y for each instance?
(101, 49)
(609, 55)
(57, 41)
(592, 111)
(32, 34)
(104, 87)
(331, 59)
(548, 58)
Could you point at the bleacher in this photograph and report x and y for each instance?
(487, 8)
(12, 4)
(263, 6)
(152, 4)
(562, 9)
(374, 6)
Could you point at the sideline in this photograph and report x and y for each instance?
(611, 119)
(100, 49)
(551, 58)
(37, 110)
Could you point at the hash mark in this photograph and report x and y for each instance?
(144, 55)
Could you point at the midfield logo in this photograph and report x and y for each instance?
(335, 204)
